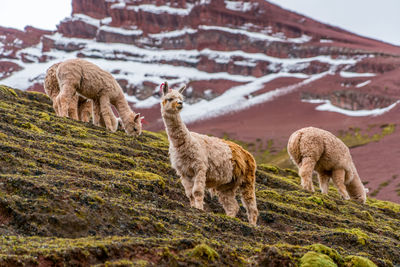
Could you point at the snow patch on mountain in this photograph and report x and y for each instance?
(327, 106)
(363, 84)
(345, 74)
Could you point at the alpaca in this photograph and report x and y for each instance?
(81, 108)
(202, 162)
(316, 149)
(87, 79)
(52, 90)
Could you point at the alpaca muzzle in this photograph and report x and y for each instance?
(179, 105)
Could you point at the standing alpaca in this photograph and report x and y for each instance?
(80, 108)
(208, 162)
(316, 149)
(87, 79)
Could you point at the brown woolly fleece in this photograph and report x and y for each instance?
(87, 79)
(316, 149)
(203, 162)
(80, 108)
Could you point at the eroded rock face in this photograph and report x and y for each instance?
(353, 100)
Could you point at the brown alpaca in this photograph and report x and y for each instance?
(81, 108)
(87, 79)
(316, 149)
(208, 162)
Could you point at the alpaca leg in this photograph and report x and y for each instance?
(188, 186)
(198, 189)
(323, 182)
(338, 179)
(228, 201)
(249, 202)
(64, 99)
(85, 110)
(96, 113)
(106, 112)
(306, 171)
(73, 108)
(114, 122)
(56, 107)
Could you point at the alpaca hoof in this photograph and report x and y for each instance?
(199, 206)
(253, 221)
(309, 188)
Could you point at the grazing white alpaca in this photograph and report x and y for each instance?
(80, 108)
(208, 162)
(87, 79)
(316, 149)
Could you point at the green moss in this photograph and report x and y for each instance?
(79, 193)
(44, 116)
(7, 91)
(361, 236)
(383, 204)
(149, 176)
(314, 259)
(125, 262)
(354, 137)
(3, 136)
(332, 253)
(366, 215)
(29, 126)
(268, 194)
(316, 200)
(159, 227)
(270, 168)
(203, 251)
(357, 261)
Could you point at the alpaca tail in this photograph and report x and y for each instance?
(293, 147)
(51, 86)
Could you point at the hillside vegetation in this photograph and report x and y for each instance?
(73, 193)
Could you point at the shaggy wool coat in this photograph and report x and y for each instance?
(205, 162)
(80, 107)
(87, 79)
(316, 149)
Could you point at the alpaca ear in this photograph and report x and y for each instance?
(137, 116)
(165, 88)
(182, 89)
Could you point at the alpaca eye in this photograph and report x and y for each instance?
(135, 129)
(170, 99)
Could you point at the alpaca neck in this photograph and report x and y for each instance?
(177, 132)
(355, 188)
(123, 108)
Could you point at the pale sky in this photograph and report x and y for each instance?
(378, 19)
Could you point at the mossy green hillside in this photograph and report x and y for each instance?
(74, 193)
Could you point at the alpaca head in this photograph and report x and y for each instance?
(133, 125)
(361, 197)
(357, 192)
(171, 100)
